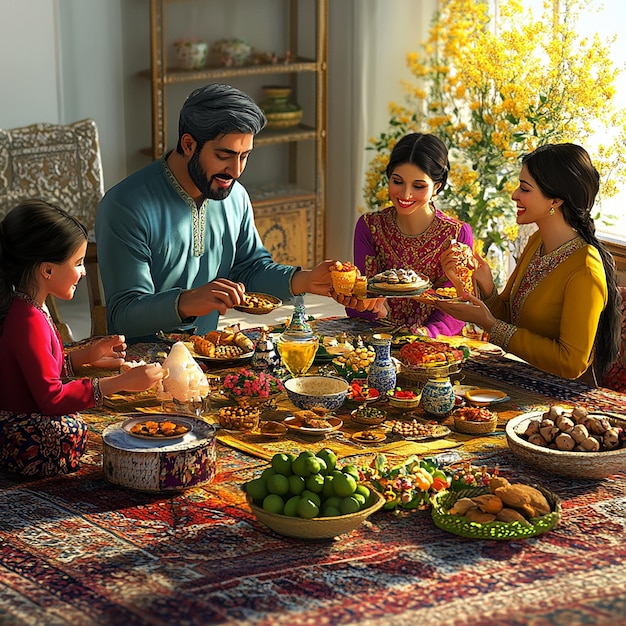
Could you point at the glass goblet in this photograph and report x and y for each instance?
(297, 355)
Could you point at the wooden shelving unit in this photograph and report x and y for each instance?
(289, 211)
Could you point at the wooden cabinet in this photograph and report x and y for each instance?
(289, 191)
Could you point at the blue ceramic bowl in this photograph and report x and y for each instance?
(307, 392)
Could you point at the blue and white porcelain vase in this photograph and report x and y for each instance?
(265, 357)
(382, 372)
(438, 396)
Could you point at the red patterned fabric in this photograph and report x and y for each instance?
(615, 378)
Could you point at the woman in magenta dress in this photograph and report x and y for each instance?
(412, 234)
(42, 250)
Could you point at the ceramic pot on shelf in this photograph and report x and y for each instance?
(382, 371)
(279, 111)
(191, 55)
(438, 397)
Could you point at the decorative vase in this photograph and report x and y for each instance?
(232, 52)
(382, 371)
(191, 55)
(280, 113)
(298, 345)
(265, 357)
(438, 396)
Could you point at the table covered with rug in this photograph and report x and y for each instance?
(80, 550)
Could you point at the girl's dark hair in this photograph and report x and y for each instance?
(215, 110)
(565, 171)
(427, 152)
(32, 233)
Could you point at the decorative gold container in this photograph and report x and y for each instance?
(280, 113)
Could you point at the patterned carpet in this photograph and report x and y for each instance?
(79, 551)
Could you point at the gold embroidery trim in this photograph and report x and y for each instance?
(198, 214)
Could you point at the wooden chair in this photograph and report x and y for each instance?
(59, 163)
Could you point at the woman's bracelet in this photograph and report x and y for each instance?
(501, 333)
(67, 365)
(97, 393)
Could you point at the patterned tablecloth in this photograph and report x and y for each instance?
(76, 550)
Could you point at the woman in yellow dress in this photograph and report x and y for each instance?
(560, 309)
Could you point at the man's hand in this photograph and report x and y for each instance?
(218, 295)
(317, 280)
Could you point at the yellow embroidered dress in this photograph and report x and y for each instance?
(549, 310)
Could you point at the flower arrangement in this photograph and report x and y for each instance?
(494, 90)
(249, 384)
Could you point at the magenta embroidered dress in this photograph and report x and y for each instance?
(40, 432)
(379, 245)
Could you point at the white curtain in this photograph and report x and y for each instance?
(368, 44)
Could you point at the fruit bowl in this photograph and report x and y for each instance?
(307, 392)
(317, 527)
(474, 420)
(575, 464)
(397, 401)
(458, 525)
(360, 393)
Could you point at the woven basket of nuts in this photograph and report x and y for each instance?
(239, 417)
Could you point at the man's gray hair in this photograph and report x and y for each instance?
(218, 109)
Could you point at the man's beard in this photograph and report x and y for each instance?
(199, 178)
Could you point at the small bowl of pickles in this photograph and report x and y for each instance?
(369, 415)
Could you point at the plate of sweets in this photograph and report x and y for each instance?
(309, 422)
(258, 304)
(221, 346)
(418, 430)
(428, 358)
(369, 436)
(398, 282)
(347, 280)
(157, 427)
(448, 294)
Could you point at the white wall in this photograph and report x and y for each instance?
(29, 71)
(85, 56)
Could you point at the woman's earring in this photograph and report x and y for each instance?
(551, 210)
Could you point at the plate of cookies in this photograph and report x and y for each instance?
(398, 282)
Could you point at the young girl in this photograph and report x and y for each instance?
(411, 233)
(42, 249)
(560, 309)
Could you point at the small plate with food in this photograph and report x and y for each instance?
(258, 304)
(488, 350)
(360, 392)
(229, 345)
(369, 436)
(442, 294)
(398, 283)
(157, 427)
(485, 397)
(419, 430)
(308, 422)
(272, 429)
